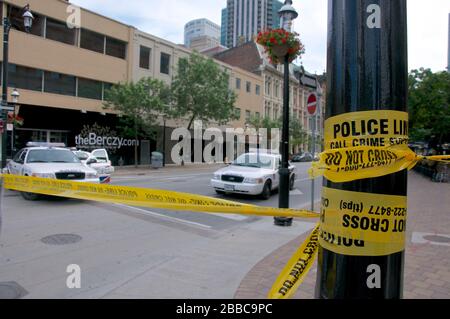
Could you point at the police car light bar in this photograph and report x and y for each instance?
(44, 144)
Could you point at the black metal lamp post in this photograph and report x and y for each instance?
(28, 22)
(15, 99)
(164, 142)
(287, 14)
(367, 72)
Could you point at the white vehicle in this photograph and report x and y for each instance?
(50, 162)
(98, 160)
(253, 174)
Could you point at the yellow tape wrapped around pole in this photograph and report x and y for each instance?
(142, 197)
(297, 268)
(354, 163)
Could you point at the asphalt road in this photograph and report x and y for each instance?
(128, 252)
(199, 183)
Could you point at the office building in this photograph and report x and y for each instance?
(243, 19)
(204, 33)
(63, 73)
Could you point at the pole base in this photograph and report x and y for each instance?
(283, 222)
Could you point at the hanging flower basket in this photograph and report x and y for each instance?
(15, 119)
(278, 43)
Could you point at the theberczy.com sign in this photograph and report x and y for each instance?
(95, 136)
(111, 142)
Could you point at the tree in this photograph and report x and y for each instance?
(297, 134)
(200, 91)
(267, 123)
(139, 104)
(429, 105)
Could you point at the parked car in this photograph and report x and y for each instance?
(252, 174)
(305, 157)
(50, 161)
(98, 160)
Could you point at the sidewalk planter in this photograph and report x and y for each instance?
(436, 171)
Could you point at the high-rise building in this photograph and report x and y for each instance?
(243, 19)
(208, 31)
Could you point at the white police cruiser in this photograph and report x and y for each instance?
(253, 174)
(49, 160)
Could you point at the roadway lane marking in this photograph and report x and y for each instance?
(232, 216)
(296, 192)
(147, 212)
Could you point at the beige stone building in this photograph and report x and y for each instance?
(63, 67)
(157, 58)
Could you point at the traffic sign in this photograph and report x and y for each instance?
(312, 104)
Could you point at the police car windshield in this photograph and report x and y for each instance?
(82, 155)
(254, 160)
(51, 156)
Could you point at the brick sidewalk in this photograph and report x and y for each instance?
(427, 264)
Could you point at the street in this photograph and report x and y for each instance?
(128, 252)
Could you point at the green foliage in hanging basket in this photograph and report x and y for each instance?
(273, 39)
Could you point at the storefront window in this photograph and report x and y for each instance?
(59, 31)
(59, 83)
(115, 48)
(92, 41)
(22, 77)
(89, 89)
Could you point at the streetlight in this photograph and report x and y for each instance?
(27, 19)
(287, 14)
(15, 99)
(15, 96)
(5, 107)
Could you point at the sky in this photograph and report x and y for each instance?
(428, 24)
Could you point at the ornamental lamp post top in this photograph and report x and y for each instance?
(287, 14)
(27, 19)
(15, 95)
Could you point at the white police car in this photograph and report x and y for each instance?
(252, 174)
(50, 161)
(98, 160)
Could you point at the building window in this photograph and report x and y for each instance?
(92, 41)
(248, 87)
(106, 88)
(257, 89)
(248, 114)
(276, 89)
(89, 89)
(258, 115)
(116, 48)
(22, 77)
(165, 63)
(59, 31)
(238, 83)
(144, 58)
(59, 83)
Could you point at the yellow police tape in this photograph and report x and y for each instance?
(354, 163)
(143, 197)
(297, 268)
(368, 144)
